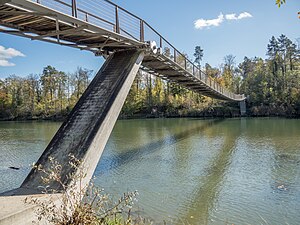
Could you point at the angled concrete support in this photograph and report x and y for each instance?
(85, 133)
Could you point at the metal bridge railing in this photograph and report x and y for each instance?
(107, 15)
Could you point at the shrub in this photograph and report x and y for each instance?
(86, 205)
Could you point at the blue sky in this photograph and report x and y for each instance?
(240, 34)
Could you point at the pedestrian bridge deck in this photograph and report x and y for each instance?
(103, 27)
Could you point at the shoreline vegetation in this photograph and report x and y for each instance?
(272, 87)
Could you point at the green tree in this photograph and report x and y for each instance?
(211, 71)
(4, 101)
(246, 67)
(48, 82)
(81, 81)
(228, 71)
(198, 55)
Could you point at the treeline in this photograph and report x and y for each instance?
(49, 95)
(272, 86)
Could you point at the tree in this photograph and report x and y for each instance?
(229, 61)
(48, 81)
(198, 55)
(282, 54)
(30, 88)
(212, 72)
(228, 71)
(272, 52)
(3, 97)
(61, 90)
(246, 67)
(81, 81)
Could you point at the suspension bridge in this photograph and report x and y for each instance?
(128, 44)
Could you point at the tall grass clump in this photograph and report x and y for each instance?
(81, 205)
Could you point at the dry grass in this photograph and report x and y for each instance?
(86, 205)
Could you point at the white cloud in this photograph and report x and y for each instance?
(8, 53)
(244, 15)
(231, 16)
(202, 23)
(4, 62)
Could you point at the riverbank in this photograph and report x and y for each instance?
(227, 111)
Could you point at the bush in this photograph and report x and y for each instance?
(86, 205)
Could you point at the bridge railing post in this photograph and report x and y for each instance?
(74, 8)
(161, 42)
(117, 19)
(175, 55)
(193, 70)
(86, 17)
(142, 32)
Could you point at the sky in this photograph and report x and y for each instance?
(237, 27)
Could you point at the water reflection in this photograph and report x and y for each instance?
(203, 198)
(170, 138)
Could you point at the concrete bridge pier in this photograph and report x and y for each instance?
(84, 133)
(243, 107)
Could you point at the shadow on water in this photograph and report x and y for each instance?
(203, 198)
(114, 161)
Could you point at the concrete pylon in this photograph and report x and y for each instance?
(86, 130)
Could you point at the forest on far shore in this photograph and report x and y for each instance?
(272, 87)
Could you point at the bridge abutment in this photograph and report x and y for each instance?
(243, 109)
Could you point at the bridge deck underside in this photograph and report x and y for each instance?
(62, 30)
(165, 68)
(37, 22)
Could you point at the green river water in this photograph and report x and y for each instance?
(187, 171)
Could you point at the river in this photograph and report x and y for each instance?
(187, 171)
